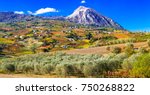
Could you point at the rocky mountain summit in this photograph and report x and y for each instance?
(88, 16)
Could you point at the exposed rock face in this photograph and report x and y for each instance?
(88, 16)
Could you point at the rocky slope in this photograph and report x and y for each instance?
(88, 16)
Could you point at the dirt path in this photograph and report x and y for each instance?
(102, 50)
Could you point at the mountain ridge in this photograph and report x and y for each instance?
(82, 15)
(13, 17)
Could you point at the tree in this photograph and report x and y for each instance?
(4, 43)
(89, 36)
(50, 41)
(53, 42)
(108, 48)
(116, 50)
(1, 48)
(73, 36)
(129, 49)
(32, 44)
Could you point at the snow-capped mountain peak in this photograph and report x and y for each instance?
(88, 16)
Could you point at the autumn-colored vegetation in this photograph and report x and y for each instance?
(29, 48)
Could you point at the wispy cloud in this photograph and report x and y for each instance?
(29, 12)
(83, 2)
(43, 11)
(19, 12)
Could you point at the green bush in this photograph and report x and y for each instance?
(116, 50)
(142, 50)
(24, 68)
(129, 49)
(65, 70)
(48, 69)
(141, 68)
(38, 69)
(113, 65)
(108, 48)
(121, 57)
(128, 62)
(89, 70)
(9, 68)
(66, 64)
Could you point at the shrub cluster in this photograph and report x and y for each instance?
(63, 64)
(91, 65)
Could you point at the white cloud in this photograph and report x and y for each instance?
(29, 12)
(83, 1)
(43, 11)
(19, 12)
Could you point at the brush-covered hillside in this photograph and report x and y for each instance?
(84, 44)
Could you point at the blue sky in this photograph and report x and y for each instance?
(133, 15)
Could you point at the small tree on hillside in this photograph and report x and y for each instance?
(89, 36)
(73, 36)
(129, 49)
(32, 44)
(1, 47)
(53, 42)
(108, 48)
(116, 50)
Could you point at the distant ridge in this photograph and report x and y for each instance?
(82, 15)
(13, 17)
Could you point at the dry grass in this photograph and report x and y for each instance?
(122, 35)
(102, 50)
